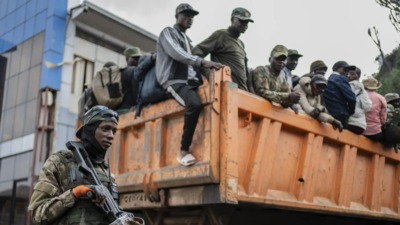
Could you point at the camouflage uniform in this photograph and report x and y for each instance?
(53, 201)
(271, 86)
(393, 115)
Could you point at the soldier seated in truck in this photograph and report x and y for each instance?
(269, 81)
(130, 77)
(177, 71)
(391, 129)
(311, 90)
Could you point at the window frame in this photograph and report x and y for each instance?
(14, 201)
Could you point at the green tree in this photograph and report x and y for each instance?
(389, 72)
(392, 61)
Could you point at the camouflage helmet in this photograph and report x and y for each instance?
(391, 97)
(98, 113)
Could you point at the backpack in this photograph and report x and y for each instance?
(150, 91)
(107, 87)
(86, 102)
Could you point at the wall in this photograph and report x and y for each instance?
(31, 31)
(23, 19)
(19, 110)
(67, 102)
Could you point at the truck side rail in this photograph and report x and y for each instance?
(294, 161)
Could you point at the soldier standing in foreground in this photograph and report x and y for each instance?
(60, 195)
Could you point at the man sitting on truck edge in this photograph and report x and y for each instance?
(291, 64)
(318, 67)
(177, 71)
(376, 116)
(226, 47)
(339, 99)
(60, 195)
(269, 81)
(357, 122)
(311, 90)
(391, 129)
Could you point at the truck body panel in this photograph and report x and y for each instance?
(251, 151)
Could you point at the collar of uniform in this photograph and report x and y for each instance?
(181, 33)
(287, 71)
(272, 71)
(103, 163)
(233, 33)
(334, 72)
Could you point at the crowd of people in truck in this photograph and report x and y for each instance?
(177, 69)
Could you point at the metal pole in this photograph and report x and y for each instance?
(43, 124)
(34, 153)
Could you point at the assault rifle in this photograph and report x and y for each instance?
(114, 214)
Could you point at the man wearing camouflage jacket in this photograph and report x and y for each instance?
(60, 195)
(391, 129)
(269, 81)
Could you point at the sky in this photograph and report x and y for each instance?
(318, 29)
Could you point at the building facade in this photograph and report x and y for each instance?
(49, 51)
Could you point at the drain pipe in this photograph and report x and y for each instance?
(35, 149)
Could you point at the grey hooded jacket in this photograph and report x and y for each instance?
(173, 58)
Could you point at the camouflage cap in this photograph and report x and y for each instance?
(391, 97)
(279, 50)
(184, 7)
(292, 52)
(133, 52)
(242, 14)
(98, 113)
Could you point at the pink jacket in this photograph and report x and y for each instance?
(376, 117)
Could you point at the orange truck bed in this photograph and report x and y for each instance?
(255, 153)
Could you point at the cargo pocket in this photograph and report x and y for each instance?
(113, 90)
(46, 188)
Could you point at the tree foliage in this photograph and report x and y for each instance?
(392, 60)
(390, 84)
(394, 9)
(375, 38)
(389, 72)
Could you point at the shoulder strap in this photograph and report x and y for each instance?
(245, 58)
(101, 79)
(267, 71)
(109, 74)
(241, 42)
(282, 77)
